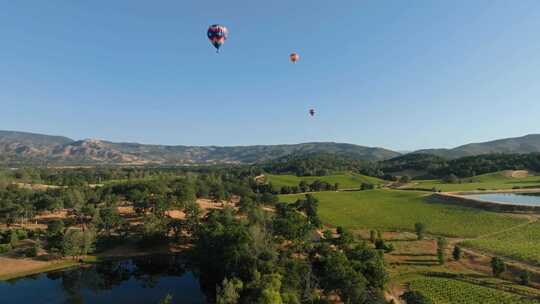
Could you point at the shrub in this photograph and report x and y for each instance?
(367, 186)
(415, 297)
(5, 248)
(456, 253)
(497, 266)
(21, 234)
(32, 251)
(419, 228)
(13, 238)
(524, 277)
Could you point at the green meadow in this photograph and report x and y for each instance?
(345, 180)
(401, 209)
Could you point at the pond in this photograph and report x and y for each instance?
(523, 199)
(136, 280)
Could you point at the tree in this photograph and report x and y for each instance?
(404, 179)
(415, 297)
(372, 236)
(229, 291)
(441, 250)
(193, 214)
(451, 179)
(420, 228)
(366, 186)
(497, 266)
(109, 220)
(246, 204)
(167, 300)
(303, 186)
(55, 234)
(271, 285)
(524, 277)
(456, 253)
(381, 245)
(78, 243)
(13, 238)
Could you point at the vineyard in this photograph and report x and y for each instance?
(452, 291)
(395, 210)
(522, 243)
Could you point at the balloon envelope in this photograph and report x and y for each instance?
(217, 34)
(311, 112)
(294, 57)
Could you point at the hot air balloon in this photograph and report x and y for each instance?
(217, 34)
(312, 112)
(294, 57)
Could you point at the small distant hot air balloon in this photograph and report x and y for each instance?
(312, 112)
(294, 57)
(217, 34)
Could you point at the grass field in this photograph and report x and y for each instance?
(452, 291)
(522, 243)
(489, 181)
(400, 210)
(345, 180)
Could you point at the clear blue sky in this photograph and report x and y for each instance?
(397, 74)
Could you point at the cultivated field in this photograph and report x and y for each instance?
(400, 210)
(461, 291)
(522, 243)
(491, 181)
(345, 180)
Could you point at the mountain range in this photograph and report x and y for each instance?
(19, 147)
(23, 147)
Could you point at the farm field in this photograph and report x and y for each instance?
(491, 181)
(522, 243)
(454, 291)
(400, 210)
(345, 180)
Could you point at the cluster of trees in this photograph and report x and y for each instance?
(303, 186)
(431, 166)
(421, 166)
(253, 256)
(93, 211)
(315, 164)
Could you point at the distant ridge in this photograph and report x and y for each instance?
(23, 147)
(520, 145)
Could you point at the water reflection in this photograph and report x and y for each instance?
(137, 280)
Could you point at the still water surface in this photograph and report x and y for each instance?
(524, 199)
(133, 281)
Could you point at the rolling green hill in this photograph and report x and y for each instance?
(345, 180)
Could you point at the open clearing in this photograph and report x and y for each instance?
(491, 181)
(400, 210)
(345, 180)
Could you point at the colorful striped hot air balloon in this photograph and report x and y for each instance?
(217, 34)
(294, 57)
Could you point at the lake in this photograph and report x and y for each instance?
(137, 280)
(524, 199)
